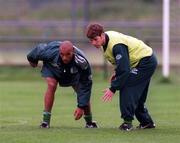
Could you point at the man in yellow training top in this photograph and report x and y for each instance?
(135, 64)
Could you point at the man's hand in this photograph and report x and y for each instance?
(108, 94)
(33, 64)
(78, 113)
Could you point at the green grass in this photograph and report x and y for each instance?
(21, 105)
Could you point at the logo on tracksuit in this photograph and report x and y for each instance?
(134, 71)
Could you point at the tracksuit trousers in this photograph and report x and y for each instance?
(134, 93)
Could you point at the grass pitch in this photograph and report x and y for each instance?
(21, 105)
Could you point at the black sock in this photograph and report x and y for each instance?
(88, 118)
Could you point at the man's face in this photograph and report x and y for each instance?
(66, 55)
(98, 41)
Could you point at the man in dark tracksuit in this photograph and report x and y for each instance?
(65, 64)
(135, 64)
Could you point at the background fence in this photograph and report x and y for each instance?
(24, 23)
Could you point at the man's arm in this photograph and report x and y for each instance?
(85, 81)
(120, 52)
(83, 93)
(36, 54)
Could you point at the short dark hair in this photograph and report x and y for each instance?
(93, 30)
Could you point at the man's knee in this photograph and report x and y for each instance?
(51, 83)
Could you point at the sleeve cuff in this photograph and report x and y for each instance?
(30, 59)
(82, 107)
(112, 89)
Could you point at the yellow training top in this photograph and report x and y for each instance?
(137, 48)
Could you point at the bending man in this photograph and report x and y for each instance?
(65, 64)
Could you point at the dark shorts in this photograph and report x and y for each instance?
(64, 81)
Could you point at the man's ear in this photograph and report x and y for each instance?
(102, 34)
(103, 38)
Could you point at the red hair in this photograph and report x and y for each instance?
(93, 30)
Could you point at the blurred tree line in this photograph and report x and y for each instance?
(153, 1)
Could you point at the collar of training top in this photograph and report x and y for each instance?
(107, 40)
